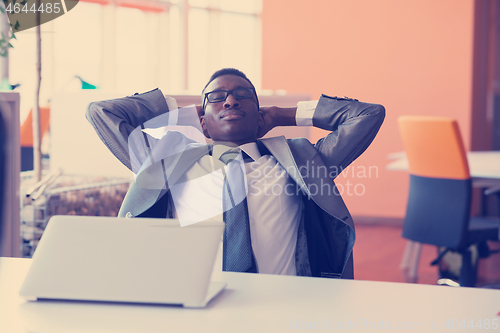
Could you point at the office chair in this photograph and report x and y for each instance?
(438, 210)
(26, 132)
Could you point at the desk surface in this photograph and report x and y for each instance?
(261, 303)
(482, 164)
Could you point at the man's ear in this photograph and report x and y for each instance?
(204, 126)
(261, 119)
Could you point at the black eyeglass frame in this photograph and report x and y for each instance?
(228, 92)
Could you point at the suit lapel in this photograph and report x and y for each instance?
(152, 182)
(171, 168)
(189, 157)
(278, 147)
(303, 158)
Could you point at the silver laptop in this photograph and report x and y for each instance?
(138, 260)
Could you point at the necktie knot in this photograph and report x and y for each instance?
(230, 155)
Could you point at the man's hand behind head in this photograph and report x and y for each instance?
(275, 116)
(268, 113)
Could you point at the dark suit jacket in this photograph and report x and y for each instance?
(326, 232)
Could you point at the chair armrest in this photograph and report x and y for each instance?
(492, 190)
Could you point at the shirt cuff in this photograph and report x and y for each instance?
(305, 113)
(173, 114)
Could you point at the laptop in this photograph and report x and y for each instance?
(139, 260)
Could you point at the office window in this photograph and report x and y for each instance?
(248, 7)
(133, 52)
(175, 57)
(200, 49)
(199, 3)
(238, 36)
(133, 46)
(223, 33)
(71, 47)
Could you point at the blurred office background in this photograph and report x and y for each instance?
(422, 57)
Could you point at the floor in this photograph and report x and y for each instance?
(379, 248)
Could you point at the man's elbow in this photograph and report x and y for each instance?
(94, 109)
(90, 112)
(378, 111)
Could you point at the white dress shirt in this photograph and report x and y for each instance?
(274, 206)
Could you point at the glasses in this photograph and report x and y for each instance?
(221, 95)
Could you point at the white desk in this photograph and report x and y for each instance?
(260, 303)
(482, 164)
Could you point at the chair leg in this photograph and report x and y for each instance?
(468, 272)
(413, 272)
(406, 256)
(410, 261)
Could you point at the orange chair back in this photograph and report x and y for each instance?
(27, 127)
(434, 147)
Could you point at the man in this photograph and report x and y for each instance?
(303, 228)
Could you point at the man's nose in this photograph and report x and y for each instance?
(231, 102)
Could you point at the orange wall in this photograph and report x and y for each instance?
(412, 56)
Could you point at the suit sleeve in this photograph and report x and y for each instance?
(353, 127)
(119, 120)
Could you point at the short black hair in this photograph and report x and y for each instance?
(228, 71)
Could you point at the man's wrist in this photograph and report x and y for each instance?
(285, 116)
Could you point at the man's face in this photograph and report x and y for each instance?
(231, 120)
